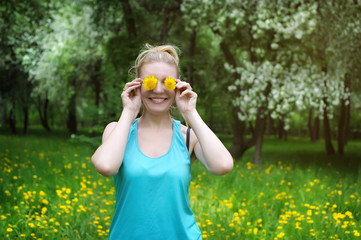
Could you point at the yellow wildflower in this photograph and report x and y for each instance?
(150, 82)
(281, 235)
(349, 214)
(169, 83)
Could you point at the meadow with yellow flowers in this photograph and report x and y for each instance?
(50, 190)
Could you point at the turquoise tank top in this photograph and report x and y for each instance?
(152, 193)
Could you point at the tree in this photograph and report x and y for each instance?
(20, 21)
(68, 51)
(260, 41)
(339, 24)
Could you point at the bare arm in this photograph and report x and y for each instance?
(209, 150)
(108, 158)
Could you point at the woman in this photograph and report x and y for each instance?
(149, 157)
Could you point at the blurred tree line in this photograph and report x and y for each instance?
(259, 67)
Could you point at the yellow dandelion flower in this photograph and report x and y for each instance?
(149, 83)
(9, 229)
(281, 235)
(349, 214)
(169, 83)
(32, 225)
(43, 210)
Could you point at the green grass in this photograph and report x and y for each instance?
(50, 190)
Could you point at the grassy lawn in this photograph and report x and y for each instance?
(50, 190)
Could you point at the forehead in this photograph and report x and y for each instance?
(159, 69)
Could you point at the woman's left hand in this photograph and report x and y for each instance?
(185, 98)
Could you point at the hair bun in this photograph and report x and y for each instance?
(162, 53)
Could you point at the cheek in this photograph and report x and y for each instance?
(143, 93)
(172, 95)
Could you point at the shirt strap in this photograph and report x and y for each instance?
(187, 137)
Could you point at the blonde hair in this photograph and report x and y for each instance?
(163, 53)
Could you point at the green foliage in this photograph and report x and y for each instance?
(92, 141)
(85, 48)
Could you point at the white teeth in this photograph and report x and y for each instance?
(157, 100)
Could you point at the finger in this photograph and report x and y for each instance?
(181, 85)
(133, 87)
(135, 82)
(188, 92)
(130, 90)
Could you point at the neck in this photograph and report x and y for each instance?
(155, 121)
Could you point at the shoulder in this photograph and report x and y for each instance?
(184, 130)
(108, 129)
(193, 138)
(110, 126)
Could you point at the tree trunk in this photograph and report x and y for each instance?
(95, 79)
(164, 29)
(313, 126)
(347, 120)
(344, 118)
(12, 120)
(129, 19)
(259, 133)
(327, 130)
(4, 120)
(26, 119)
(72, 121)
(326, 122)
(317, 128)
(238, 132)
(191, 51)
(169, 17)
(341, 128)
(43, 113)
(347, 109)
(239, 145)
(260, 127)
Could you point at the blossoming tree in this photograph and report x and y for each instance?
(267, 50)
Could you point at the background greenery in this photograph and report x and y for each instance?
(275, 68)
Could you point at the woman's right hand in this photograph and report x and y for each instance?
(131, 95)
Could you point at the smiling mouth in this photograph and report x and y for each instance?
(158, 100)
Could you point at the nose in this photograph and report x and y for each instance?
(159, 88)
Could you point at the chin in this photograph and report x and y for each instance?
(158, 109)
